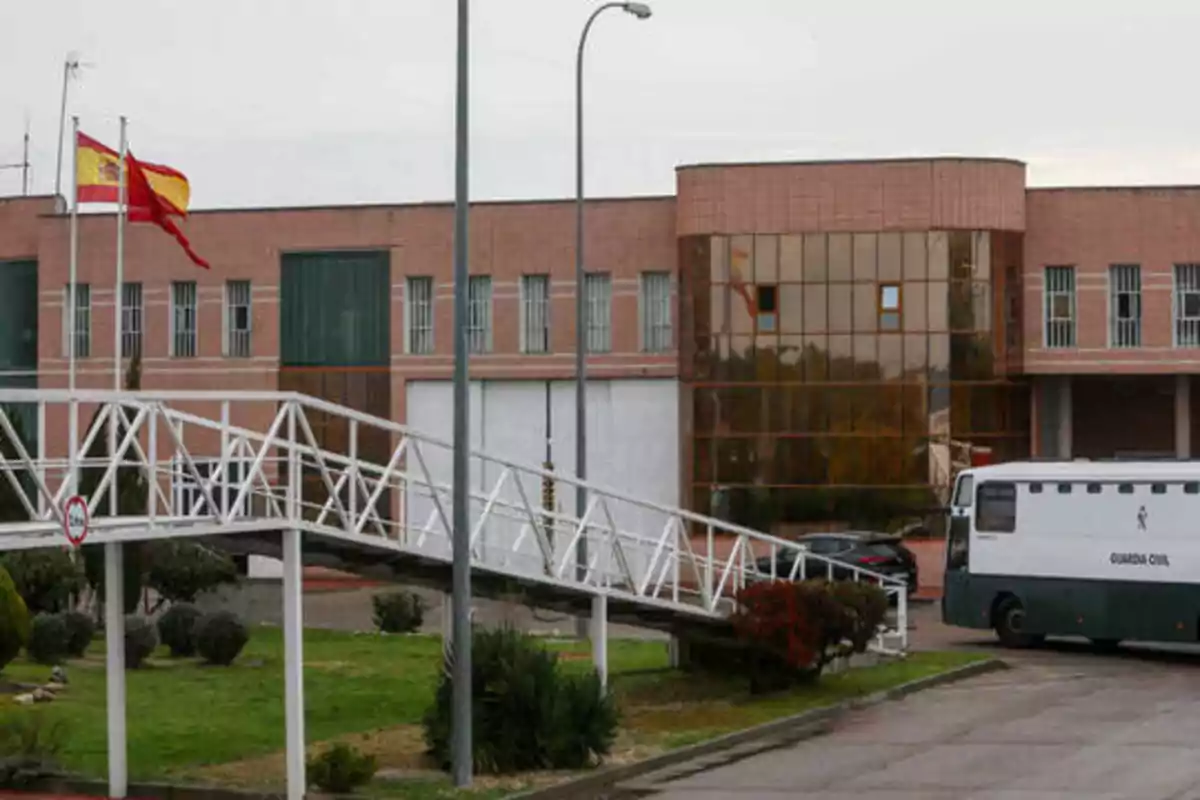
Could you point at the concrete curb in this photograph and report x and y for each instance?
(741, 744)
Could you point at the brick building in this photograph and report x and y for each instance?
(792, 342)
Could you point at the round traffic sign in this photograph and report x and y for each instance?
(75, 520)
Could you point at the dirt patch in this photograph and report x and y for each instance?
(400, 752)
(399, 749)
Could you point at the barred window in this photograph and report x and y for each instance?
(655, 309)
(1187, 305)
(598, 308)
(535, 313)
(1060, 307)
(183, 319)
(418, 315)
(83, 320)
(479, 314)
(1125, 305)
(131, 319)
(237, 319)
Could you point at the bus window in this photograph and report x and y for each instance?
(1191, 488)
(996, 510)
(1158, 488)
(1064, 488)
(1035, 488)
(963, 494)
(1094, 488)
(1125, 488)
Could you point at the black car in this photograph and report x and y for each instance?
(875, 552)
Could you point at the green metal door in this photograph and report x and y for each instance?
(335, 309)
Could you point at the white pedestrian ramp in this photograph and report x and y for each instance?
(291, 476)
(368, 495)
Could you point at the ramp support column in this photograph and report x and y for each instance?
(599, 636)
(293, 662)
(114, 641)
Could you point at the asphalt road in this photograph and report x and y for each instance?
(1063, 723)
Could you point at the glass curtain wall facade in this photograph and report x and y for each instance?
(844, 377)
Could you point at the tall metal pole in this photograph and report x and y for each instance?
(461, 748)
(641, 11)
(73, 267)
(122, 198)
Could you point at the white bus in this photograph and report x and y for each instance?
(1107, 551)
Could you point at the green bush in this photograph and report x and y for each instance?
(140, 640)
(80, 630)
(220, 637)
(527, 713)
(180, 570)
(30, 743)
(586, 721)
(865, 608)
(46, 578)
(341, 769)
(177, 629)
(49, 639)
(14, 620)
(398, 612)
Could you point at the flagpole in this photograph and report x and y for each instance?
(122, 201)
(74, 267)
(73, 408)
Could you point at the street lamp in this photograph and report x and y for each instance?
(641, 11)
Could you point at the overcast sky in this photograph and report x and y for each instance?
(301, 102)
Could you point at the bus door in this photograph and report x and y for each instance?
(958, 549)
(958, 546)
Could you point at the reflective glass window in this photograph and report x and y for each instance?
(791, 259)
(815, 270)
(840, 257)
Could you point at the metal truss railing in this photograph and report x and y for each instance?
(236, 462)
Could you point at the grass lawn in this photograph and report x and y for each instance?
(226, 724)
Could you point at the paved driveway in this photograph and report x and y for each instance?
(1063, 723)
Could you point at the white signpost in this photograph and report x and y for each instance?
(75, 515)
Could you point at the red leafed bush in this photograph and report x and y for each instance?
(792, 630)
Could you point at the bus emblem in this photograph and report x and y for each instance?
(1141, 517)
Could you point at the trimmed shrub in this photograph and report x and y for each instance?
(45, 578)
(140, 640)
(527, 714)
(14, 620)
(791, 631)
(865, 608)
(341, 769)
(49, 639)
(80, 630)
(177, 629)
(220, 637)
(398, 612)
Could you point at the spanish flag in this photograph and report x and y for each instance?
(153, 193)
(98, 177)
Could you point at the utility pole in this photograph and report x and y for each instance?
(23, 164)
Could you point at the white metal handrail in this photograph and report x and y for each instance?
(638, 549)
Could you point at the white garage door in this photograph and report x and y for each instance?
(633, 441)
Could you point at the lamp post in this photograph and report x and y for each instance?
(461, 749)
(641, 11)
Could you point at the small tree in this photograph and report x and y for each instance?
(180, 571)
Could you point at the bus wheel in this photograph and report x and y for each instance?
(1009, 621)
